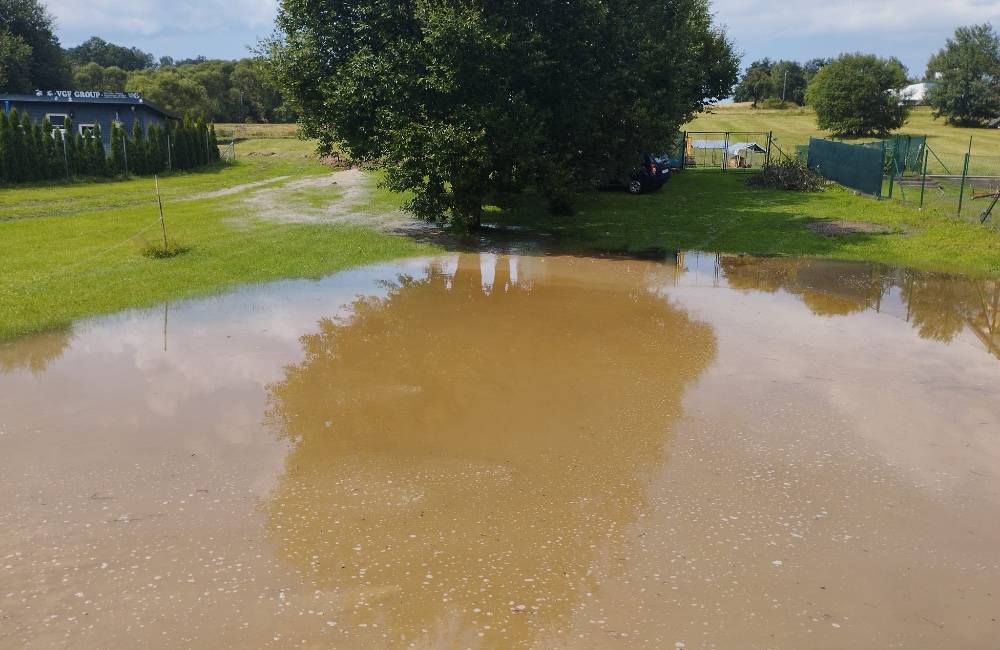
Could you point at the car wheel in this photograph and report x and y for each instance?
(635, 186)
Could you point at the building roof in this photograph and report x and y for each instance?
(915, 92)
(88, 97)
(734, 147)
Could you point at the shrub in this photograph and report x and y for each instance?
(791, 175)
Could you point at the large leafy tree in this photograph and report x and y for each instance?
(789, 82)
(30, 55)
(966, 73)
(15, 62)
(856, 95)
(757, 83)
(105, 54)
(466, 101)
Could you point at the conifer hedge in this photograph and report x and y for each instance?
(39, 151)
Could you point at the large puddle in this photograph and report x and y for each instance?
(514, 452)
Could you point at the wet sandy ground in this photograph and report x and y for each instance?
(498, 452)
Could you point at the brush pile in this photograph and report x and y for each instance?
(791, 175)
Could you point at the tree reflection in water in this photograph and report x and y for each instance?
(34, 353)
(461, 453)
(938, 306)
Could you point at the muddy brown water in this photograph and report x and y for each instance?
(499, 451)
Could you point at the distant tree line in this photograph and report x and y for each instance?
(37, 151)
(858, 94)
(777, 81)
(31, 58)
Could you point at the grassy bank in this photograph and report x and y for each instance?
(715, 211)
(70, 251)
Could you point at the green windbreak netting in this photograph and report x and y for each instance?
(904, 153)
(855, 166)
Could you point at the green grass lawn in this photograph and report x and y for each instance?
(710, 210)
(70, 251)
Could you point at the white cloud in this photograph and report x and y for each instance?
(882, 17)
(149, 17)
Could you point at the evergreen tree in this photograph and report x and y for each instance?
(213, 144)
(69, 144)
(98, 157)
(4, 148)
(154, 152)
(184, 146)
(117, 150)
(79, 163)
(17, 148)
(30, 159)
(61, 161)
(165, 144)
(39, 162)
(53, 160)
(137, 158)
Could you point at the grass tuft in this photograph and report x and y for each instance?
(157, 251)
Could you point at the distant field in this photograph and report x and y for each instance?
(227, 131)
(794, 126)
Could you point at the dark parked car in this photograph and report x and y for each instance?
(647, 177)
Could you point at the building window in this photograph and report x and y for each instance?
(57, 120)
(87, 128)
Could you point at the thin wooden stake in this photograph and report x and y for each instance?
(159, 202)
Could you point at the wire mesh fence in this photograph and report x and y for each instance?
(727, 150)
(965, 187)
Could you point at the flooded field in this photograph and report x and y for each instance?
(498, 451)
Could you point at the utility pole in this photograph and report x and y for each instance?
(784, 88)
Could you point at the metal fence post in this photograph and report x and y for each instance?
(725, 153)
(961, 191)
(923, 179)
(770, 139)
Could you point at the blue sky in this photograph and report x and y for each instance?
(791, 29)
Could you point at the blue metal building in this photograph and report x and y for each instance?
(88, 109)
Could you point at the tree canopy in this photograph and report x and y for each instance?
(30, 55)
(855, 95)
(107, 55)
(756, 84)
(219, 91)
(777, 80)
(465, 102)
(966, 76)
